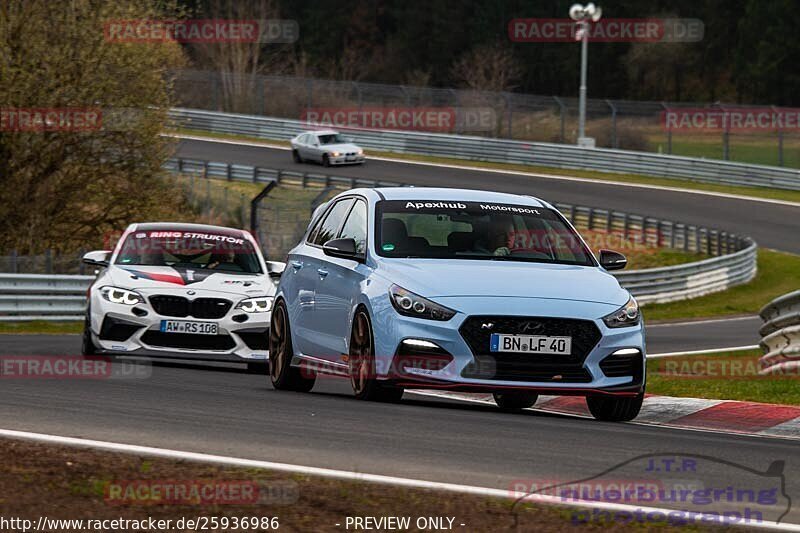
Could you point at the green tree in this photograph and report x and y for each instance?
(64, 189)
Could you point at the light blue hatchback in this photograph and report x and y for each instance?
(455, 289)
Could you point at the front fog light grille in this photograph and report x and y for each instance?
(623, 363)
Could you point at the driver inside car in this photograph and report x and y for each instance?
(498, 233)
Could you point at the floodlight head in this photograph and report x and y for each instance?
(576, 12)
(598, 12)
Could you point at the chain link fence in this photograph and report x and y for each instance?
(622, 124)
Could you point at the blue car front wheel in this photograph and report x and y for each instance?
(361, 360)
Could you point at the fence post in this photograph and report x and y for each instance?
(726, 134)
(669, 128)
(48, 261)
(14, 266)
(614, 143)
(561, 112)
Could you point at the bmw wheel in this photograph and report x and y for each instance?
(514, 401)
(361, 360)
(326, 160)
(296, 156)
(614, 409)
(282, 374)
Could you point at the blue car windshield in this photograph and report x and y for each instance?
(477, 230)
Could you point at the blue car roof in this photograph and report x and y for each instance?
(466, 195)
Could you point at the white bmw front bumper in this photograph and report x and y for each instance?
(137, 329)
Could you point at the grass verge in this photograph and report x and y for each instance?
(755, 192)
(722, 376)
(40, 327)
(778, 273)
(77, 483)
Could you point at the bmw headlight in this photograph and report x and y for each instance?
(360, 151)
(115, 295)
(262, 304)
(627, 315)
(409, 304)
(335, 154)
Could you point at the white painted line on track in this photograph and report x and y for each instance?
(698, 352)
(513, 172)
(361, 476)
(700, 322)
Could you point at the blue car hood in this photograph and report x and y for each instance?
(434, 278)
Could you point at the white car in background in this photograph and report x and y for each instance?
(327, 147)
(182, 290)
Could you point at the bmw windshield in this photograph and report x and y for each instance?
(190, 249)
(477, 230)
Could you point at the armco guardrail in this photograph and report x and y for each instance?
(781, 335)
(62, 297)
(505, 151)
(42, 297)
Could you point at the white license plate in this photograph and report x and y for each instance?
(188, 326)
(500, 342)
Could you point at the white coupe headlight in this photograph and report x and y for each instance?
(116, 295)
(262, 304)
(627, 315)
(335, 154)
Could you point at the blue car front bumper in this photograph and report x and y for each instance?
(455, 354)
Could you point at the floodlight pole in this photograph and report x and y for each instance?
(584, 29)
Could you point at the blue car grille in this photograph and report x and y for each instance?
(502, 366)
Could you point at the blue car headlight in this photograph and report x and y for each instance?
(409, 304)
(625, 316)
(117, 295)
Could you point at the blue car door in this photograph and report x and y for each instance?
(339, 286)
(311, 269)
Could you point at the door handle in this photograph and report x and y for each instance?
(297, 264)
(322, 273)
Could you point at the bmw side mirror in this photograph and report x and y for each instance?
(97, 258)
(611, 260)
(275, 268)
(344, 248)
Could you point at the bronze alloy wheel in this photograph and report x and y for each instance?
(282, 374)
(361, 360)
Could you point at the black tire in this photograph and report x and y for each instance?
(258, 368)
(296, 156)
(87, 344)
(361, 360)
(326, 160)
(515, 401)
(614, 409)
(282, 374)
